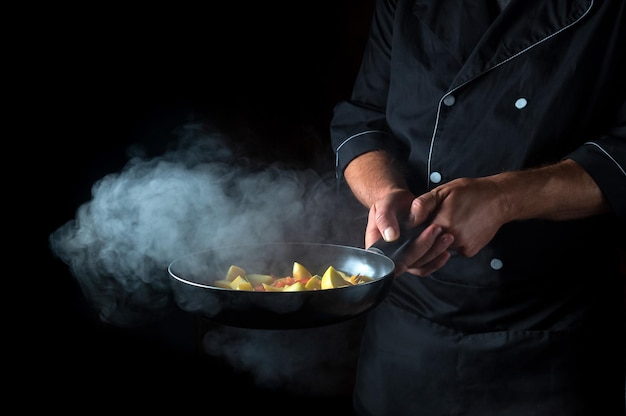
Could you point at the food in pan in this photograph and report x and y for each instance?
(300, 279)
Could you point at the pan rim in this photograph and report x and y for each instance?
(374, 253)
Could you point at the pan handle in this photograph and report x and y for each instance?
(394, 249)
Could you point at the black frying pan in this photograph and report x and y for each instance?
(195, 273)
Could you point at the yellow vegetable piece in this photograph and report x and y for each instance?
(314, 283)
(233, 272)
(299, 271)
(224, 284)
(333, 279)
(296, 287)
(269, 288)
(245, 286)
(357, 279)
(257, 279)
(239, 281)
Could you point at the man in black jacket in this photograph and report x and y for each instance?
(502, 127)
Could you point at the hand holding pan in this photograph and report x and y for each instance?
(193, 276)
(395, 249)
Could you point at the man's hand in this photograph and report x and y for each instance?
(395, 211)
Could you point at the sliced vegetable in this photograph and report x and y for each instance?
(223, 283)
(240, 283)
(300, 272)
(332, 279)
(314, 283)
(301, 280)
(233, 272)
(257, 279)
(296, 287)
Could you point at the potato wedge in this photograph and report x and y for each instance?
(238, 282)
(296, 287)
(314, 283)
(269, 288)
(299, 271)
(257, 279)
(223, 283)
(332, 279)
(233, 272)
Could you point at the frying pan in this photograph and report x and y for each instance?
(193, 276)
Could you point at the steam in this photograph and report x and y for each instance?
(316, 362)
(200, 195)
(197, 196)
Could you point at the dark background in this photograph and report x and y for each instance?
(102, 81)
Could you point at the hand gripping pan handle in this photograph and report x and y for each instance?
(394, 249)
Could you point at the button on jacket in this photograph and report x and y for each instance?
(459, 89)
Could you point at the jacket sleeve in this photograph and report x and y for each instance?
(358, 125)
(605, 160)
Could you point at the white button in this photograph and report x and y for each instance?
(496, 264)
(520, 103)
(435, 177)
(449, 100)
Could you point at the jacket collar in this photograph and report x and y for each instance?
(479, 46)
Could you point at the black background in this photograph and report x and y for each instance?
(102, 80)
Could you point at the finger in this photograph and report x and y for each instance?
(430, 267)
(441, 244)
(426, 249)
(422, 207)
(422, 244)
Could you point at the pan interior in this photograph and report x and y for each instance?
(203, 267)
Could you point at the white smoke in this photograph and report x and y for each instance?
(198, 196)
(314, 362)
(203, 195)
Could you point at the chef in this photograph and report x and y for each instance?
(501, 125)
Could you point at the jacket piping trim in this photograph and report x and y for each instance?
(609, 156)
(337, 175)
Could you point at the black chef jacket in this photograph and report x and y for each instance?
(534, 323)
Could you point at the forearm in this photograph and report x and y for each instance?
(562, 191)
(372, 175)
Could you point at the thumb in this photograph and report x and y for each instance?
(385, 222)
(380, 224)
